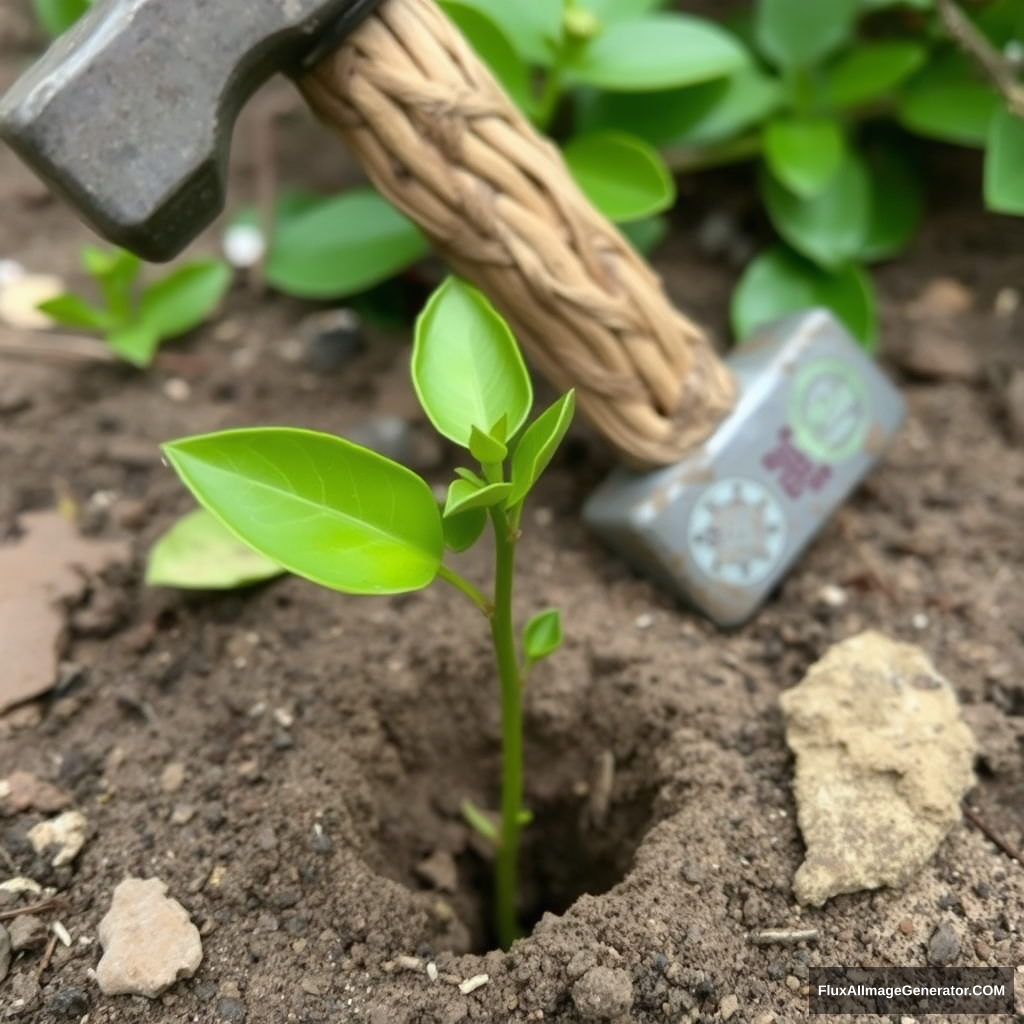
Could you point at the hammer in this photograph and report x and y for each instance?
(129, 117)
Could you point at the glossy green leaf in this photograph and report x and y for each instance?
(1004, 164)
(798, 34)
(467, 474)
(495, 49)
(531, 27)
(645, 235)
(135, 342)
(184, 298)
(778, 282)
(57, 16)
(464, 496)
(463, 529)
(804, 153)
(829, 228)
(538, 445)
(896, 206)
(624, 177)
(466, 366)
(199, 553)
(946, 102)
(342, 245)
(485, 448)
(74, 311)
(660, 51)
(870, 71)
(542, 635)
(320, 506)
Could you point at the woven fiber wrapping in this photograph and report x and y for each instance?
(438, 136)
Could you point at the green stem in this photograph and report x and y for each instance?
(503, 638)
(551, 92)
(463, 585)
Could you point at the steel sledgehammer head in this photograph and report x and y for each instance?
(129, 114)
(721, 528)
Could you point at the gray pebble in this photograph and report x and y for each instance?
(70, 1002)
(230, 1009)
(944, 945)
(332, 338)
(603, 993)
(26, 932)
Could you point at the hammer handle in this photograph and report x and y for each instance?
(438, 136)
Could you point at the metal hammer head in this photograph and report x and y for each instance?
(721, 528)
(129, 114)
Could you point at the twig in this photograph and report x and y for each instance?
(56, 348)
(47, 956)
(1000, 71)
(975, 818)
(783, 936)
(51, 903)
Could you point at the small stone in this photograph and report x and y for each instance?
(728, 1006)
(944, 945)
(266, 838)
(792, 982)
(177, 390)
(1007, 302)
(937, 356)
(244, 245)
(906, 927)
(432, 971)
(5, 952)
(603, 993)
(26, 932)
(230, 1009)
(942, 297)
(148, 941)
(70, 1002)
(321, 841)
(439, 871)
(22, 791)
(182, 814)
(833, 596)
(332, 339)
(24, 991)
(172, 778)
(472, 984)
(63, 837)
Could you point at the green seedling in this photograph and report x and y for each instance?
(349, 519)
(135, 320)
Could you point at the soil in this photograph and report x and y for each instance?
(327, 741)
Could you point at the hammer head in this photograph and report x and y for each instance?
(129, 114)
(721, 528)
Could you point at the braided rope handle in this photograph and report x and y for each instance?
(438, 136)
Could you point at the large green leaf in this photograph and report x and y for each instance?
(804, 153)
(799, 33)
(946, 102)
(199, 553)
(184, 298)
(466, 366)
(463, 529)
(1004, 164)
(538, 445)
(868, 72)
(660, 51)
(531, 26)
(341, 245)
(624, 177)
(322, 507)
(778, 282)
(896, 206)
(829, 228)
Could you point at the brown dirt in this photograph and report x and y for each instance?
(327, 741)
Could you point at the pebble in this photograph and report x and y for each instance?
(26, 932)
(230, 1009)
(172, 778)
(266, 838)
(24, 990)
(177, 390)
(472, 984)
(70, 1002)
(728, 1006)
(906, 927)
(321, 841)
(439, 871)
(332, 338)
(832, 595)
(182, 814)
(942, 297)
(5, 952)
(22, 791)
(244, 245)
(63, 835)
(148, 941)
(944, 945)
(603, 993)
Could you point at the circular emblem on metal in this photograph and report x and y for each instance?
(829, 410)
(737, 532)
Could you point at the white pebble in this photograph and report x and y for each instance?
(832, 595)
(1007, 302)
(244, 245)
(920, 621)
(62, 933)
(432, 971)
(177, 390)
(472, 984)
(644, 621)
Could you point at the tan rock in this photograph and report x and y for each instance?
(883, 759)
(149, 942)
(62, 837)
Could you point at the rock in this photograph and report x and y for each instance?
(332, 339)
(5, 952)
(24, 992)
(63, 837)
(439, 870)
(70, 1002)
(883, 759)
(26, 932)
(942, 297)
(172, 778)
(603, 993)
(944, 945)
(22, 791)
(230, 1009)
(728, 1006)
(933, 355)
(148, 941)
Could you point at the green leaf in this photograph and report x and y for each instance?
(542, 635)
(896, 206)
(184, 298)
(320, 506)
(829, 228)
(470, 476)
(645, 235)
(946, 102)
(136, 342)
(659, 51)
(622, 176)
(341, 246)
(57, 16)
(538, 445)
(797, 34)
(463, 529)
(480, 822)
(494, 48)
(115, 265)
(466, 366)
(464, 496)
(74, 311)
(778, 281)
(1004, 164)
(804, 153)
(530, 27)
(869, 71)
(199, 553)
(620, 10)
(485, 448)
